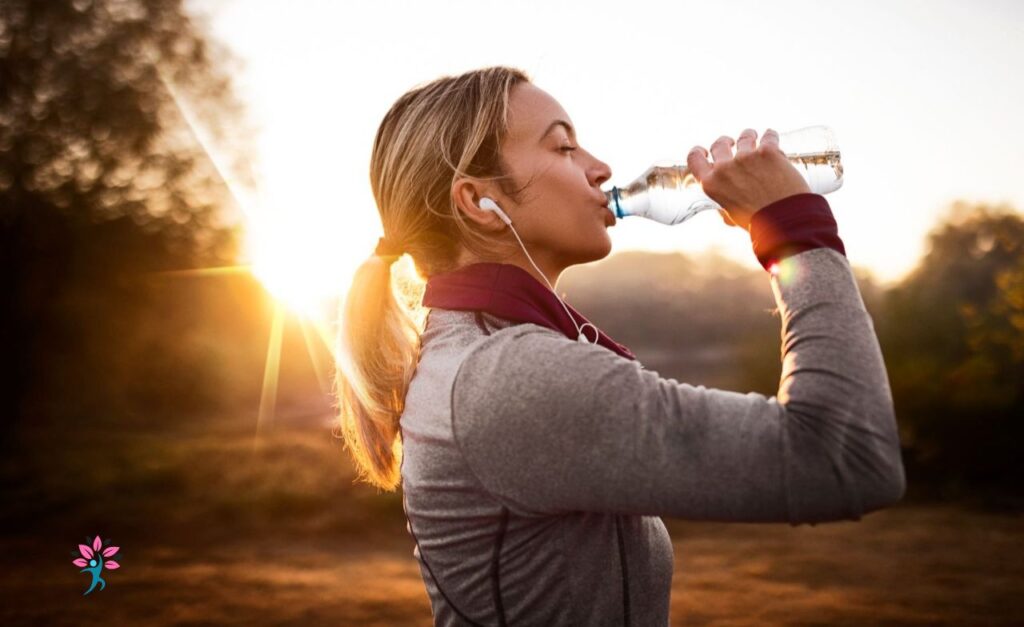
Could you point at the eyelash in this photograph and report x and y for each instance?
(569, 148)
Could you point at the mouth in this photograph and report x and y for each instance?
(609, 217)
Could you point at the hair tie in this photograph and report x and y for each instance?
(387, 248)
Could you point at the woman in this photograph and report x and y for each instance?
(536, 455)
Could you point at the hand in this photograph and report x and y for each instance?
(754, 178)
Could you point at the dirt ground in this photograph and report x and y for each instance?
(904, 566)
(341, 555)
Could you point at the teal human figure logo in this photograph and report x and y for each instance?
(93, 561)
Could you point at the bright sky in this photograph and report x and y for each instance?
(924, 97)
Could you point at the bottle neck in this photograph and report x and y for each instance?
(616, 197)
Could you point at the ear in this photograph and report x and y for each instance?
(466, 193)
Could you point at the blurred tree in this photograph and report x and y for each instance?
(103, 183)
(953, 336)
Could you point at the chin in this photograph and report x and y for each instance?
(598, 249)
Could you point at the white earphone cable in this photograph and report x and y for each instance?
(579, 329)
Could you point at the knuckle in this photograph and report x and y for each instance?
(744, 159)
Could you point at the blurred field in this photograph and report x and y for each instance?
(213, 534)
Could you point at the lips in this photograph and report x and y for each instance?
(609, 217)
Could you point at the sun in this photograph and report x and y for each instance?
(296, 241)
(299, 259)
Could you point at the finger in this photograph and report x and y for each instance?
(697, 161)
(721, 150)
(746, 141)
(770, 139)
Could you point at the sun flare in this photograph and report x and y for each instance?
(297, 261)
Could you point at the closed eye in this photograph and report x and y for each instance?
(568, 148)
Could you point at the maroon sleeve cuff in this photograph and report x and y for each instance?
(792, 225)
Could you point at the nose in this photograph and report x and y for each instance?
(599, 173)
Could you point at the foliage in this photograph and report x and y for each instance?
(102, 184)
(953, 335)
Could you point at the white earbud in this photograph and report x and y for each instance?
(489, 205)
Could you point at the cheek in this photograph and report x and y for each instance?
(563, 179)
(562, 216)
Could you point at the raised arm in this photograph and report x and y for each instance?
(550, 426)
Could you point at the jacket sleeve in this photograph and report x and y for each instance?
(551, 426)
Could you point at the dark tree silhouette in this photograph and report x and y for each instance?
(102, 183)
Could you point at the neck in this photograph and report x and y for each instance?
(550, 271)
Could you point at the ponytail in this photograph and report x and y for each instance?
(379, 348)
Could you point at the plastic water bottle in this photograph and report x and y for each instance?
(668, 193)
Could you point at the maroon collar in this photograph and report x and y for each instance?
(509, 292)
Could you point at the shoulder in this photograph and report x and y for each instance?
(527, 370)
(505, 361)
(526, 401)
(530, 353)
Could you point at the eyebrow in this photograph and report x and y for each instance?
(568, 127)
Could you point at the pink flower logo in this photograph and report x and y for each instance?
(94, 560)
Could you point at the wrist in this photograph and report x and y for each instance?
(793, 225)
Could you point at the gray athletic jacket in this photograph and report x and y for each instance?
(535, 468)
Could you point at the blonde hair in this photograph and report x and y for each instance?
(433, 134)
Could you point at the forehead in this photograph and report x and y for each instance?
(531, 111)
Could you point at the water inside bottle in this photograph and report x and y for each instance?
(669, 193)
(823, 170)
